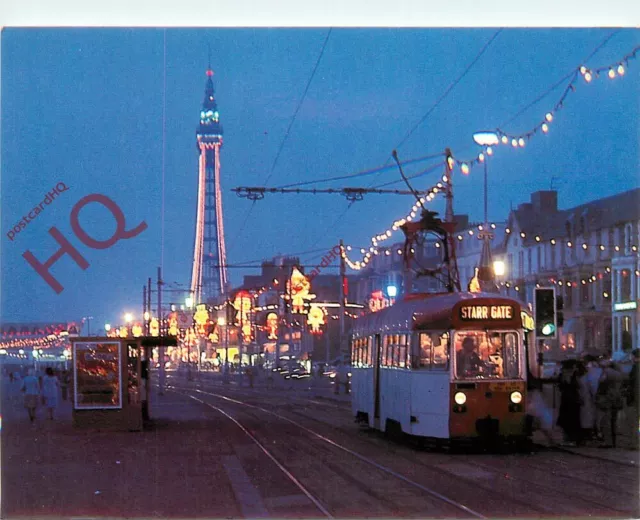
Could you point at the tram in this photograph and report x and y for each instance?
(445, 366)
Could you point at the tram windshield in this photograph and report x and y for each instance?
(487, 355)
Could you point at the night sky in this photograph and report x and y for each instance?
(84, 107)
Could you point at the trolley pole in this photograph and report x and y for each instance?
(144, 309)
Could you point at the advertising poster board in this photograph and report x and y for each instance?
(97, 375)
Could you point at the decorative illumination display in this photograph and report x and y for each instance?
(378, 301)
(243, 304)
(201, 317)
(316, 318)
(272, 325)
(299, 291)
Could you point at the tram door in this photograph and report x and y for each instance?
(377, 349)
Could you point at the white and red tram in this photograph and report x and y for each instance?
(446, 366)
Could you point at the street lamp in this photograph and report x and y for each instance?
(487, 268)
(128, 317)
(107, 327)
(392, 291)
(498, 268)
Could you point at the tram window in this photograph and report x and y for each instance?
(487, 356)
(424, 355)
(440, 351)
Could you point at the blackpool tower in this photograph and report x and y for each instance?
(209, 273)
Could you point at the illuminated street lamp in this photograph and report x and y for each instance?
(128, 317)
(392, 291)
(188, 302)
(107, 327)
(498, 268)
(486, 273)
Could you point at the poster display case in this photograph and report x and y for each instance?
(97, 375)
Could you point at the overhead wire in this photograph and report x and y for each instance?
(240, 233)
(572, 74)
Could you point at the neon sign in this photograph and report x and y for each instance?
(486, 312)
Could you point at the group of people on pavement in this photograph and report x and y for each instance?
(42, 389)
(595, 396)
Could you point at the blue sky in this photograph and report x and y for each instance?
(85, 107)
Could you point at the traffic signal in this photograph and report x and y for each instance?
(545, 312)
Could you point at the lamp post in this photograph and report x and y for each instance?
(486, 268)
(221, 323)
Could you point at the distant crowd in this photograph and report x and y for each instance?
(598, 400)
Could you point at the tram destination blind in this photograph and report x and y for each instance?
(486, 312)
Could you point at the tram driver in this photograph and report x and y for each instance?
(468, 361)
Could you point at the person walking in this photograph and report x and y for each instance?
(632, 412)
(569, 410)
(587, 404)
(50, 386)
(31, 389)
(609, 402)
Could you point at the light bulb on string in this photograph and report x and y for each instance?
(621, 70)
(545, 127)
(612, 73)
(465, 168)
(583, 69)
(521, 142)
(481, 157)
(588, 77)
(504, 139)
(514, 143)
(489, 150)
(445, 178)
(549, 117)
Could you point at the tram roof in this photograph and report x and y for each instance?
(416, 311)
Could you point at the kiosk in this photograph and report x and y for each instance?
(108, 386)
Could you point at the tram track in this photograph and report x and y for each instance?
(511, 481)
(454, 504)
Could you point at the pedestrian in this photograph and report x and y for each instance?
(50, 386)
(11, 377)
(569, 410)
(632, 411)
(609, 402)
(31, 389)
(587, 404)
(65, 379)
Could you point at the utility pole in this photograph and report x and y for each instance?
(148, 321)
(144, 308)
(160, 347)
(343, 297)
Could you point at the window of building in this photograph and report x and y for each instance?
(510, 262)
(521, 264)
(585, 289)
(568, 297)
(552, 256)
(529, 255)
(567, 229)
(628, 238)
(625, 285)
(539, 263)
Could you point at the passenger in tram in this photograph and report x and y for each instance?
(468, 361)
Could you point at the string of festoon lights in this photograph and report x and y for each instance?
(582, 73)
(613, 71)
(572, 281)
(585, 246)
(374, 249)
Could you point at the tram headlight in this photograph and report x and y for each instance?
(516, 397)
(460, 398)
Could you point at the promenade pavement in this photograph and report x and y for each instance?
(175, 469)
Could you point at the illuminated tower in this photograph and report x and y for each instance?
(209, 274)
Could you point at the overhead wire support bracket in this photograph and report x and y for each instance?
(352, 194)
